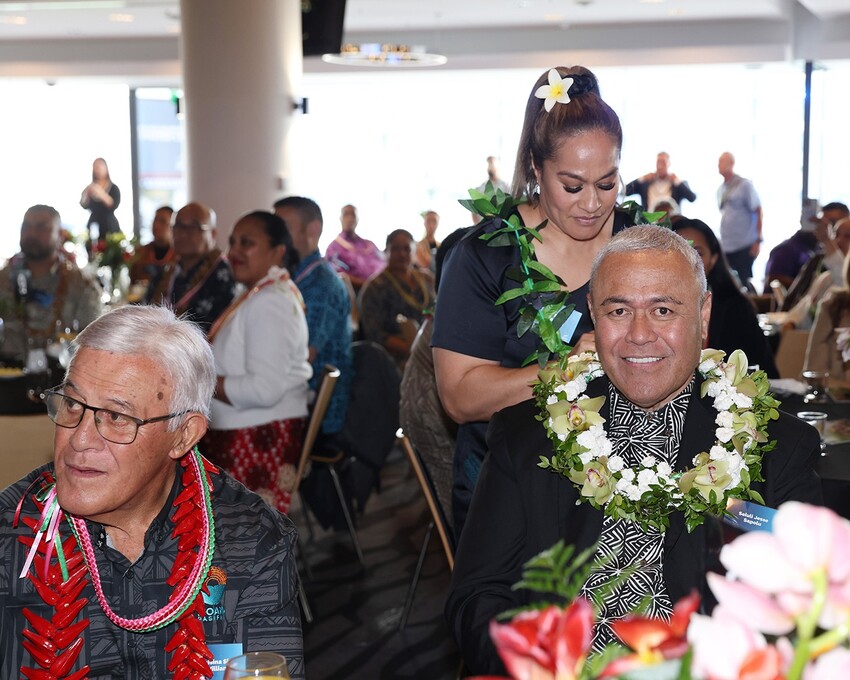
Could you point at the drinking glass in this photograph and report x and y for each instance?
(259, 665)
(816, 419)
(816, 384)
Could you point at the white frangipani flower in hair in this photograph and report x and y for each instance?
(556, 92)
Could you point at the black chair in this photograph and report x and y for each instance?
(331, 460)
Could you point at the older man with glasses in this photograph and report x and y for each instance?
(200, 283)
(131, 555)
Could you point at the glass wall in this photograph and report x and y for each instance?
(50, 136)
(397, 143)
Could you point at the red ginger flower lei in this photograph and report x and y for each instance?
(54, 644)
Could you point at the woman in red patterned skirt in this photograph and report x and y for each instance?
(259, 412)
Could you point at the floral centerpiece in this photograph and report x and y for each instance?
(650, 492)
(113, 254)
(783, 614)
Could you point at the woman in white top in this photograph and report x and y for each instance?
(259, 410)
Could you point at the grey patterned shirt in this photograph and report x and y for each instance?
(635, 434)
(251, 600)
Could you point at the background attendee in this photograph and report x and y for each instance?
(567, 168)
(428, 244)
(824, 352)
(42, 292)
(149, 259)
(833, 231)
(669, 207)
(327, 302)
(200, 282)
(740, 219)
(356, 257)
(259, 408)
(661, 184)
(101, 197)
(787, 259)
(733, 323)
(651, 310)
(133, 404)
(394, 301)
(494, 176)
(421, 413)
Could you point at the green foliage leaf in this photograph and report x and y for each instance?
(511, 294)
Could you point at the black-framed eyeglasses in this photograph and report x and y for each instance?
(118, 428)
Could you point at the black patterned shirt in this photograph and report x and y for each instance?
(251, 586)
(634, 434)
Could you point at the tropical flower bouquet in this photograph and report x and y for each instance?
(113, 255)
(783, 614)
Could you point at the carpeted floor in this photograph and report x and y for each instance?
(356, 612)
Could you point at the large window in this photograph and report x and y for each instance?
(398, 143)
(50, 136)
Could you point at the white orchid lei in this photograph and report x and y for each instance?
(650, 492)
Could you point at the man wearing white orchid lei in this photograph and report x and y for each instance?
(647, 439)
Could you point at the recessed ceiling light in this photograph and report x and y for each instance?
(553, 18)
(15, 21)
(122, 18)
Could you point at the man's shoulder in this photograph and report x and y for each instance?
(246, 521)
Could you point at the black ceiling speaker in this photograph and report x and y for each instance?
(321, 26)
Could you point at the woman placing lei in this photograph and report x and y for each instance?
(565, 190)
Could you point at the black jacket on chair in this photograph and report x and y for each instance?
(518, 510)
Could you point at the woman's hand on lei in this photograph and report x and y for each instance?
(651, 491)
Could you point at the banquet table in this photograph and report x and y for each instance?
(833, 466)
(26, 433)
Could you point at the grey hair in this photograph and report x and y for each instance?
(651, 237)
(176, 344)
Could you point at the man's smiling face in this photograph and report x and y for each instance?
(651, 321)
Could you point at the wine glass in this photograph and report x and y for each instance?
(259, 665)
(816, 383)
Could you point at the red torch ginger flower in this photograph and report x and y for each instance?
(653, 640)
(551, 644)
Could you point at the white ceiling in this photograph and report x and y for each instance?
(45, 38)
(146, 18)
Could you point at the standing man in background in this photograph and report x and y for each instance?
(740, 218)
(659, 185)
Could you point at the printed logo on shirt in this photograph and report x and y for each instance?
(215, 585)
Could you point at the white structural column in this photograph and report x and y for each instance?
(242, 67)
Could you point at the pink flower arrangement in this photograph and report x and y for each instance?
(783, 614)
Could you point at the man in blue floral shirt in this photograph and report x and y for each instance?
(327, 301)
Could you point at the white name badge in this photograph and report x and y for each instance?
(748, 516)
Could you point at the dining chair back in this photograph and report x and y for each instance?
(331, 460)
(438, 520)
